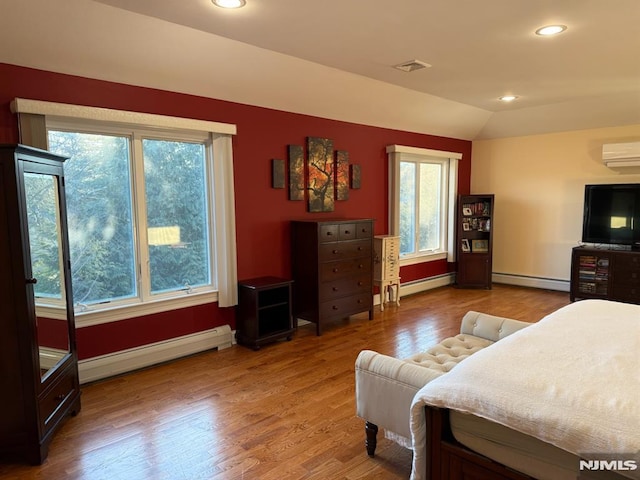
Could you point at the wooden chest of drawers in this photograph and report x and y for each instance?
(332, 269)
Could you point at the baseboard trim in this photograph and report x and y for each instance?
(98, 368)
(418, 286)
(427, 284)
(534, 282)
(505, 278)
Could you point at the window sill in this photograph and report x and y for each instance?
(431, 257)
(108, 314)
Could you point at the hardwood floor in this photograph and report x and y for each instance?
(286, 411)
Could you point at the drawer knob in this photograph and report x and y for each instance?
(335, 289)
(335, 270)
(335, 307)
(60, 397)
(329, 233)
(335, 252)
(359, 301)
(359, 249)
(347, 232)
(361, 266)
(360, 284)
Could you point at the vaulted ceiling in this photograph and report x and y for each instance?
(335, 58)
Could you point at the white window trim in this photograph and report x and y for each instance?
(398, 153)
(224, 254)
(122, 117)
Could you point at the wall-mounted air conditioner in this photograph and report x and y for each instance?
(621, 154)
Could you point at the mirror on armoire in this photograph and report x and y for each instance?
(47, 278)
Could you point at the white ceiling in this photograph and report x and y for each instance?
(334, 58)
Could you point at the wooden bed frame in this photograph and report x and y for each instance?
(450, 460)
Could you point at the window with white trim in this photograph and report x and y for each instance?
(149, 206)
(423, 188)
(140, 226)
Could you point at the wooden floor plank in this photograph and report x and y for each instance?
(286, 411)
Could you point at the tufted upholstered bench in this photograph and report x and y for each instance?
(385, 386)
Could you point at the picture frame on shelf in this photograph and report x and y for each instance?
(466, 226)
(480, 246)
(465, 245)
(467, 211)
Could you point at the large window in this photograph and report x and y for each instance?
(422, 201)
(150, 205)
(139, 222)
(421, 207)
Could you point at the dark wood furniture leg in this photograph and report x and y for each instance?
(371, 443)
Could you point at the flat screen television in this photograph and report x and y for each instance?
(612, 214)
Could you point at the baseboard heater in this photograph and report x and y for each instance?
(98, 368)
(533, 282)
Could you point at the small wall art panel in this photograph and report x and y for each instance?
(296, 172)
(342, 175)
(277, 173)
(355, 176)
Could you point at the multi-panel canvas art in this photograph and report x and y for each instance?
(324, 174)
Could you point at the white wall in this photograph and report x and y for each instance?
(539, 183)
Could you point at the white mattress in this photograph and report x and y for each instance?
(518, 451)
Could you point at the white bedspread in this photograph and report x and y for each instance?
(572, 380)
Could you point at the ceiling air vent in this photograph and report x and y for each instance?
(412, 66)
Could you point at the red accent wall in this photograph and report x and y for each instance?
(262, 213)
(53, 333)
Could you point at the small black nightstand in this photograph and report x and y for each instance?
(263, 313)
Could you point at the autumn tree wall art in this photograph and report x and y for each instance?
(320, 174)
(325, 176)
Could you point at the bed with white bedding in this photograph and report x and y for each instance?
(569, 385)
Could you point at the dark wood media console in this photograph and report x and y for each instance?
(604, 273)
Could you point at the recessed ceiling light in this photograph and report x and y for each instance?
(508, 98)
(550, 30)
(229, 3)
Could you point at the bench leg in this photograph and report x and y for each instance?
(371, 443)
